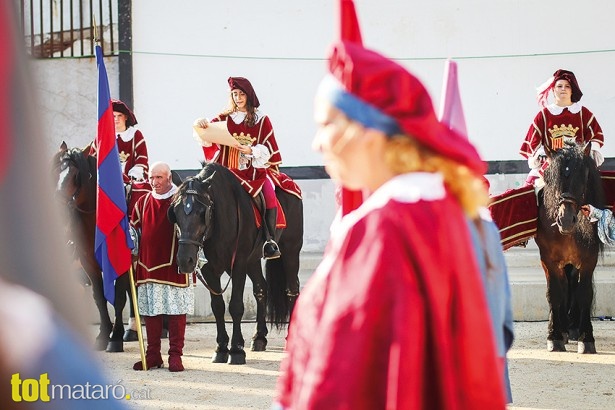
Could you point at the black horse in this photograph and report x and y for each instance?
(214, 212)
(74, 172)
(569, 245)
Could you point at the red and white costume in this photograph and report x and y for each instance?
(554, 124)
(385, 321)
(157, 274)
(250, 171)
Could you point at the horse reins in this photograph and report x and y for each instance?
(72, 202)
(188, 209)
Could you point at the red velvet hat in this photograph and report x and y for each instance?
(119, 106)
(543, 91)
(381, 94)
(244, 85)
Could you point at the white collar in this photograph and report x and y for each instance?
(557, 110)
(128, 134)
(166, 195)
(239, 116)
(405, 188)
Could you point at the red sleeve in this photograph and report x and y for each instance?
(593, 131)
(267, 138)
(140, 154)
(533, 138)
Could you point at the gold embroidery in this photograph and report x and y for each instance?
(123, 156)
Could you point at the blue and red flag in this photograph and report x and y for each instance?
(113, 242)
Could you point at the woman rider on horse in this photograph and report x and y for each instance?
(255, 158)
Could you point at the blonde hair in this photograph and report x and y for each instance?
(404, 154)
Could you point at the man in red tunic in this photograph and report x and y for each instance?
(566, 119)
(395, 316)
(161, 289)
(131, 144)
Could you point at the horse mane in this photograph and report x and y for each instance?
(570, 160)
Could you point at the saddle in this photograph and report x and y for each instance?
(258, 206)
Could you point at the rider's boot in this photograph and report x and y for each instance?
(270, 248)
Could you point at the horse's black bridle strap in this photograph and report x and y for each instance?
(190, 242)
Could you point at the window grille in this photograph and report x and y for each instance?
(65, 28)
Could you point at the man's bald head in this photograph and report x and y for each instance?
(160, 177)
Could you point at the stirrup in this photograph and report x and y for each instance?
(271, 250)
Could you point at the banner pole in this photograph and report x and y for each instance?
(133, 291)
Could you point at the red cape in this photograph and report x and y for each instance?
(394, 317)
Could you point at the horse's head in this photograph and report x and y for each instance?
(192, 210)
(566, 184)
(71, 170)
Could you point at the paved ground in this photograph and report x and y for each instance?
(540, 380)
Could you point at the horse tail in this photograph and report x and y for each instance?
(278, 305)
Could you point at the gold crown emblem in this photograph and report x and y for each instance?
(563, 131)
(244, 139)
(123, 156)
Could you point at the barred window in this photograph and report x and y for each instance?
(65, 28)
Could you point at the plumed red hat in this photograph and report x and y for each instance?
(570, 77)
(381, 94)
(543, 91)
(119, 106)
(244, 85)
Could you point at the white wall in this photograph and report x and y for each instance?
(180, 72)
(185, 50)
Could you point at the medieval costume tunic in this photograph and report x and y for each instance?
(554, 125)
(161, 289)
(252, 170)
(132, 150)
(385, 321)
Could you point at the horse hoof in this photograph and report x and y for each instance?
(556, 346)
(115, 346)
(259, 345)
(164, 334)
(130, 336)
(237, 358)
(586, 347)
(573, 335)
(219, 357)
(101, 344)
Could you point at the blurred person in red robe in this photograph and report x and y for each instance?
(395, 316)
(161, 289)
(254, 156)
(43, 340)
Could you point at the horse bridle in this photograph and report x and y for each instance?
(72, 202)
(193, 195)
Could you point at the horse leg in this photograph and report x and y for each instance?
(555, 298)
(573, 312)
(259, 339)
(586, 341)
(104, 330)
(236, 308)
(291, 265)
(217, 307)
(116, 344)
(130, 335)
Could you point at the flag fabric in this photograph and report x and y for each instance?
(112, 242)
(349, 31)
(451, 109)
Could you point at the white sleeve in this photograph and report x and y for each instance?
(534, 161)
(596, 154)
(260, 156)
